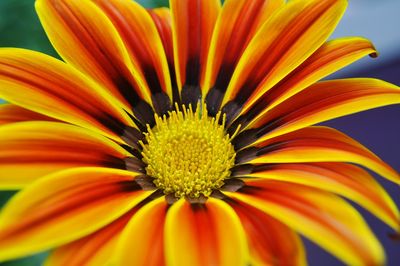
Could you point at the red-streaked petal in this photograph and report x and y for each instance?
(236, 25)
(30, 150)
(192, 26)
(345, 180)
(85, 38)
(163, 21)
(293, 34)
(329, 58)
(324, 101)
(209, 234)
(64, 207)
(48, 86)
(321, 144)
(96, 249)
(271, 242)
(140, 36)
(142, 241)
(324, 218)
(11, 113)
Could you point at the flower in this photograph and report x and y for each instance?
(186, 137)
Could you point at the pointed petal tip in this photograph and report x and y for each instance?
(394, 236)
(374, 54)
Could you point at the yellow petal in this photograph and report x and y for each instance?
(142, 241)
(322, 217)
(163, 21)
(10, 113)
(202, 232)
(64, 207)
(329, 58)
(236, 25)
(85, 38)
(293, 34)
(50, 87)
(192, 26)
(345, 180)
(324, 101)
(30, 150)
(93, 250)
(321, 144)
(140, 36)
(270, 241)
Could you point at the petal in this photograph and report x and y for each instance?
(10, 113)
(192, 26)
(271, 242)
(329, 58)
(95, 249)
(203, 231)
(50, 87)
(320, 144)
(85, 38)
(324, 101)
(64, 207)
(236, 25)
(140, 36)
(293, 34)
(30, 150)
(141, 242)
(345, 180)
(322, 217)
(163, 21)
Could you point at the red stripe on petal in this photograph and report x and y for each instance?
(271, 242)
(64, 207)
(142, 241)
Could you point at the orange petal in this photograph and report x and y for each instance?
(192, 26)
(140, 36)
(236, 25)
(324, 218)
(324, 101)
(141, 242)
(202, 231)
(64, 207)
(345, 180)
(30, 150)
(320, 144)
(10, 113)
(271, 242)
(329, 58)
(163, 21)
(95, 249)
(293, 34)
(50, 87)
(85, 37)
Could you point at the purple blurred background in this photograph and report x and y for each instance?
(378, 129)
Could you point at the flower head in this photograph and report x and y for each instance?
(185, 136)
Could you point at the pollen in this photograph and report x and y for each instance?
(188, 154)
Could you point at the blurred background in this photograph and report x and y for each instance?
(378, 129)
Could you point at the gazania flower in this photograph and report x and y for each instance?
(185, 136)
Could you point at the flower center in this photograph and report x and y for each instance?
(188, 153)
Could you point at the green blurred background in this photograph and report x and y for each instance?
(20, 27)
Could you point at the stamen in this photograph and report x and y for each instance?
(188, 153)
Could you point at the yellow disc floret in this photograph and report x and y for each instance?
(188, 153)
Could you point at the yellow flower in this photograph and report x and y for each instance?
(185, 136)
